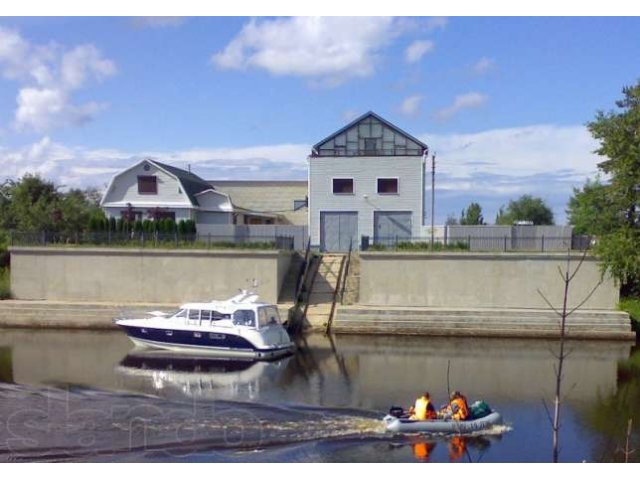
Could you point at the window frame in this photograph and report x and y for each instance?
(353, 186)
(397, 179)
(155, 184)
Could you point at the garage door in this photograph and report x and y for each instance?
(390, 227)
(338, 230)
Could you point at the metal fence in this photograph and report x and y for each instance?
(152, 240)
(479, 243)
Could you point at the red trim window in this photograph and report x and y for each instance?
(388, 186)
(147, 185)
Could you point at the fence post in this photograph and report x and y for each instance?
(469, 242)
(542, 248)
(44, 238)
(11, 238)
(505, 243)
(208, 240)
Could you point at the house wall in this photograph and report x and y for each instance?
(365, 200)
(124, 188)
(181, 213)
(143, 275)
(268, 196)
(476, 280)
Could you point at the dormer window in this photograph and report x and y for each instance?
(147, 185)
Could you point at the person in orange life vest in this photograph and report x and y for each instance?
(423, 408)
(457, 447)
(458, 409)
(422, 451)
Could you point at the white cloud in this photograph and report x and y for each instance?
(491, 166)
(410, 106)
(461, 102)
(435, 23)
(158, 22)
(49, 76)
(498, 165)
(329, 49)
(483, 65)
(417, 50)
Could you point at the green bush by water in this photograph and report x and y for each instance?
(632, 307)
(5, 286)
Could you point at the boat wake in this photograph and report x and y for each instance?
(53, 423)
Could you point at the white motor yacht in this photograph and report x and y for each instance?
(238, 327)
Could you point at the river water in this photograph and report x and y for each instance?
(88, 396)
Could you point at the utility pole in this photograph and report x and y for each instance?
(433, 197)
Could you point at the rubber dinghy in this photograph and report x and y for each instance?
(398, 422)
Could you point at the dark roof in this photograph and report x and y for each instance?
(191, 183)
(377, 117)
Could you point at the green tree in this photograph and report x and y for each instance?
(618, 133)
(472, 215)
(590, 209)
(525, 209)
(30, 203)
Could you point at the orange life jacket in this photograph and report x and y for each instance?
(460, 408)
(423, 409)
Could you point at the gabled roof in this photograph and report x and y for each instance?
(387, 123)
(191, 183)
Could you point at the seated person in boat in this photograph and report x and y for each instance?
(423, 408)
(458, 409)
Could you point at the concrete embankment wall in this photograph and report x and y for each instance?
(143, 275)
(471, 280)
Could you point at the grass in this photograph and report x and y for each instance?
(5, 287)
(632, 307)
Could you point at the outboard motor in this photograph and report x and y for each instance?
(396, 411)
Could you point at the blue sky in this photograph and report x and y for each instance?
(503, 101)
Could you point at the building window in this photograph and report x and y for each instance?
(343, 186)
(370, 146)
(388, 186)
(298, 204)
(147, 184)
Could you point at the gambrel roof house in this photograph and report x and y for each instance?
(366, 180)
(151, 188)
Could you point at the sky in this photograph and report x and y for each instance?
(502, 101)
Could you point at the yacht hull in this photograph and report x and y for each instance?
(203, 342)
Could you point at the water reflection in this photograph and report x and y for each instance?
(362, 376)
(174, 375)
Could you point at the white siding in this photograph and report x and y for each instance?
(365, 171)
(124, 188)
(214, 202)
(181, 213)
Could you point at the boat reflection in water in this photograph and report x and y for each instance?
(170, 374)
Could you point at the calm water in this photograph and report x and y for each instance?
(88, 396)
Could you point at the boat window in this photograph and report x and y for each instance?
(246, 318)
(206, 315)
(273, 316)
(180, 314)
(194, 317)
(262, 317)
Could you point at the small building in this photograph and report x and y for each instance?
(286, 199)
(153, 190)
(366, 179)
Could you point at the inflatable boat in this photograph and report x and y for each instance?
(398, 422)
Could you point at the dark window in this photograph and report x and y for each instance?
(147, 184)
(369, 146)
(388, 185)
(298, 204)
(343, 185)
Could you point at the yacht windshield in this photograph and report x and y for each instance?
(179, 313)
(246, 318)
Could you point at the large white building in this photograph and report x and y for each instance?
(366, 179)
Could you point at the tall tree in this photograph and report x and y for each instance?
(590, 210)
(472, 215)
(618, 132)
(525, 209)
